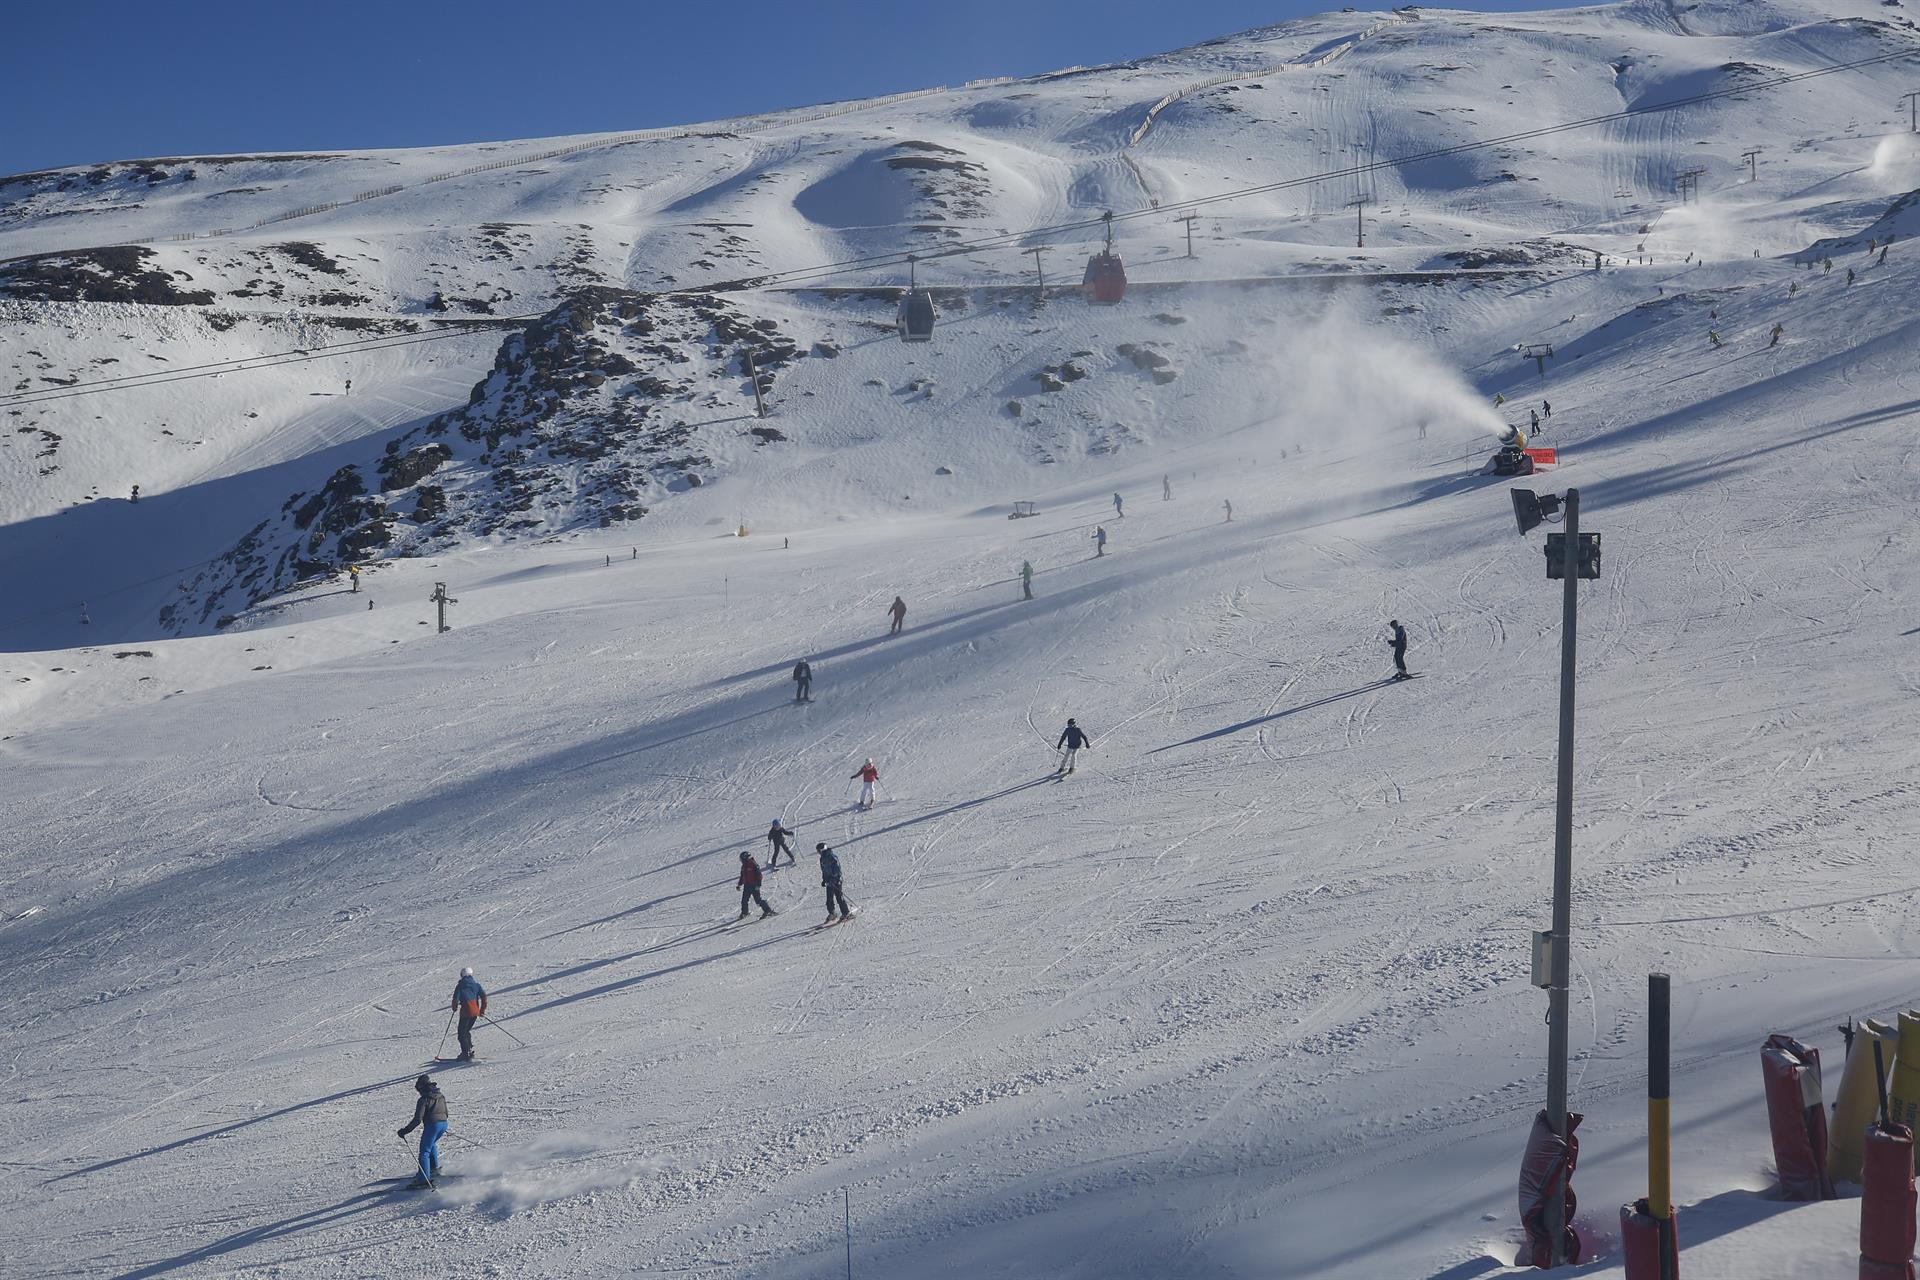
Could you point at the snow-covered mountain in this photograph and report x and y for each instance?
(1244, 996)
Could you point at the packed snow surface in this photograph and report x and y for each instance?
(1247, 993)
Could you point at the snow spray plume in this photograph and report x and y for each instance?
(1341, 381)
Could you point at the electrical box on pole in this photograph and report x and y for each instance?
(1557, 555)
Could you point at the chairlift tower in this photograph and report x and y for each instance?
(1539, 353)
(1913, 110)
(1753, 174)
(1689, 184)
(1359, 222)
(1190, 219)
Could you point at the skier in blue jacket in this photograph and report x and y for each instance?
(830, 877)
(470, 1001)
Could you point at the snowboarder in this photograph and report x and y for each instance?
(749, 886)
(1099, 540)
(136, 494)
(430, 1117)
(470, 1001)
(1118, 511)
(777, 837)
(1778, 329)
(1399, 642)
(1026, 579)
(802, 681)
(1166, 488)
(898, 612)
(868, 775)
(1228, 504)
(830, 879)
(1072, 738)
(353, 578)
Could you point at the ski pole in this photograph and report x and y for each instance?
(470, 1142)
(441, 1048)
(509, 1035)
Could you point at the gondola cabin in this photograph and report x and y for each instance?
(1106, 280)
(917, 316)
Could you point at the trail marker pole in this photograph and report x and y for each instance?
(442, 599)
(846, 1224)
(1659, 1147)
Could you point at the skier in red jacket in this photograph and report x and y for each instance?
(868, 775)
(749, 886)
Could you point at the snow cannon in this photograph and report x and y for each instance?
(1511, 459)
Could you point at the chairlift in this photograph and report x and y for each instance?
(1022, 510)
(917, 314)
(1106, 280)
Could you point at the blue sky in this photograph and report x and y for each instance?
(91, 80)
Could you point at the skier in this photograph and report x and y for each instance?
(1826, 266)
(1778, 329)
(1399, 643)
(1166, 488)
(777, 836)
(1026, 579)
(830, 879)
(1229, 506)
(1072, 738)
(1423, 434)
(1881, 261)
(1535, 428)
(1099, 541)
(898, 612)
(868, 775)
(1546, 409)
(353, 578)
(1118, 511)
(1793, 288)
(136, 494)
(749, 886)
(470, 999)
(349, 386)
(1849, 277)
(802, 681)
(430, 1117)
(1714, 338)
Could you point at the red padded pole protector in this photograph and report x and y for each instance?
(1640, 1242)
(1797, 1117)
(1887, 1202)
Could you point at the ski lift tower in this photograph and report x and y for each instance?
(1538, 352)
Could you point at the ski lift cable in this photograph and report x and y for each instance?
(1006, 239)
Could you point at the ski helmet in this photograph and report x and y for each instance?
(466, 973)
(745, 856)
(1069, 719)
(423, 1084)
(820, 847)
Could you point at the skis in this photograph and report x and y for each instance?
(836, 921)
(455, 1061)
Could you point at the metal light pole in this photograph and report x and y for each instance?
(1913, 110)
(1571, 564)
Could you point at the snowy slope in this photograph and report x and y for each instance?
(1244, 996)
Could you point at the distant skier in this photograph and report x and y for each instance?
(777, 837)
(353, 578)
(1534, 429)
(1546, 409)
(430, 1117)
(1166, 488)
(1713, 336)
(1099, 540)
(1793, 288)
(749, 886)
(802, 681)
(1228, 504)
(1399, 643)
(1849, 277)
(1826, 266)
(1026, 579)
(136, 494)
(349, 386)
(830, 879)
(1778, 329)
(470, 1001)
(868, 775)
(1072, 739)
(1881, 261)
(898, 612)
(1118, 511)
